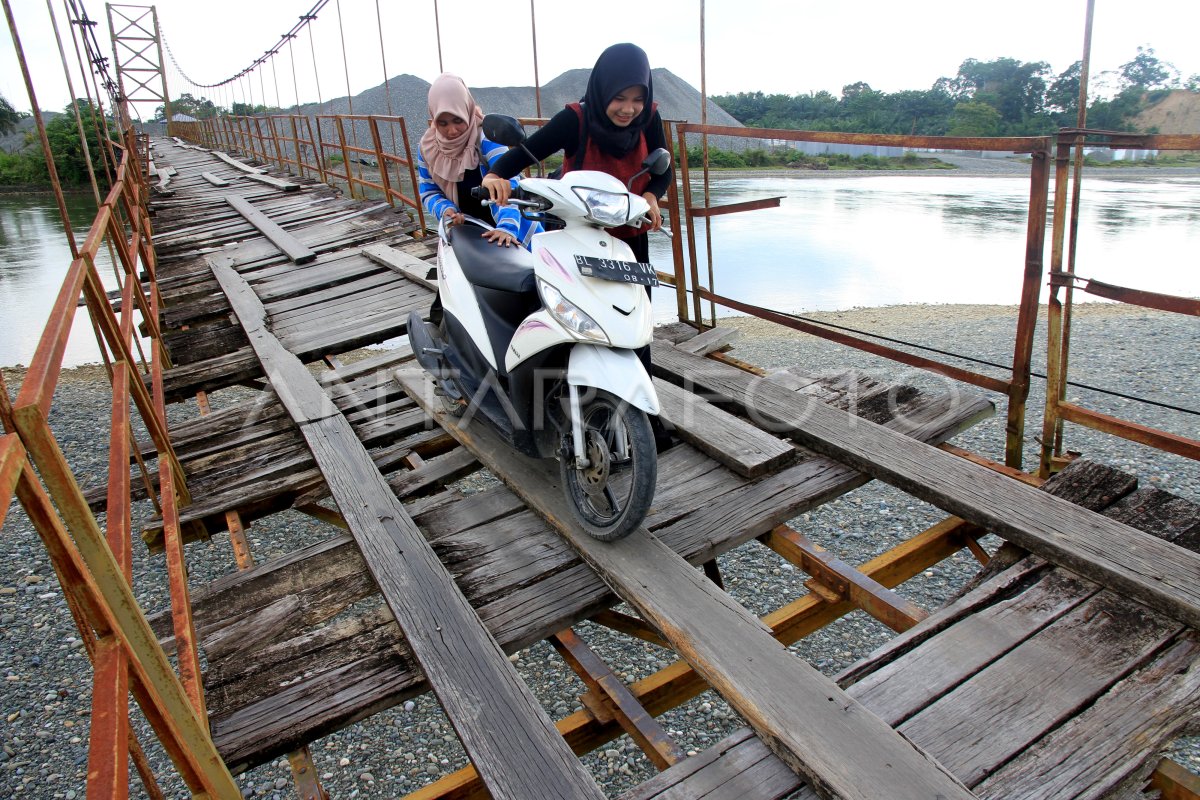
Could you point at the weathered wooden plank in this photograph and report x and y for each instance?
(1160, 574)
(298, 304)
(435, 473)
(992, 617)
(810, 723)
(289, 244)
(739, 767)
(737, 444)
(412, 268)
(476, 684)
(1098, 751)
(214, 179)
(979, 726)
(963, 649)
(269, 180)
(327, 272)
(526, 583)
(233, 162)
(349, 309)
(710, 341)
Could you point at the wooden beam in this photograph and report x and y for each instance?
(709, 341)
(737, 444)
(508, 736)
(614, 696)
(819, 731)
(270, 180)
(1175, 782)
(238, 165)
(1162, 575)
(292, 247)
(214, 179)
(846, 582)
(412, 268)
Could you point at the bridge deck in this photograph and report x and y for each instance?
(302, 645)
(1035, 683)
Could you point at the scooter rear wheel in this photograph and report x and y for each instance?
(611, 496)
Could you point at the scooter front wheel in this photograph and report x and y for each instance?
(611, 496)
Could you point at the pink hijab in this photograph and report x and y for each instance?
(449, 159)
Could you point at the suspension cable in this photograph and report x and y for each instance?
(387, 89)
(305, 19)
(316, 75)
(295, 83)
(83, 143)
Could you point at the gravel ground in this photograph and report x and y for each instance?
(46, 692)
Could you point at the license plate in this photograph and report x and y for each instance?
(620, 271)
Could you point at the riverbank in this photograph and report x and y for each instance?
(964, 166)
(47, 687)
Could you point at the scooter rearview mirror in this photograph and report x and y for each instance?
(503, 129)
(656, 163)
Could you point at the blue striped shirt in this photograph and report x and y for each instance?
(507, 218)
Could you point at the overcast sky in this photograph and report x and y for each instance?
(787, 46)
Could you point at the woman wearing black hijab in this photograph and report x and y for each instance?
(611, 129)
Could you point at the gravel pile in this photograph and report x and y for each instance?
(47, 678)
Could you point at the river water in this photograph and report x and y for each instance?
(833, 243)
(837, 243)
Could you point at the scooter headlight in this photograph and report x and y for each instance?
(607, 208)
(569, 315)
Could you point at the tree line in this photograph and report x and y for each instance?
(1004, 97)
(27, 166)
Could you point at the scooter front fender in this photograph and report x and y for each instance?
(618, 372)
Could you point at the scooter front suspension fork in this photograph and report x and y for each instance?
(581, 459)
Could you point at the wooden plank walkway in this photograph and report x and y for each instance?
(523, 579)
(805, 719)
(1035, 684)
(509, 737)
(209, 351)
(287, 663)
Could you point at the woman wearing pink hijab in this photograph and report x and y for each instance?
(452, 159)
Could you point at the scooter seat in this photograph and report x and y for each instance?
(508, 269)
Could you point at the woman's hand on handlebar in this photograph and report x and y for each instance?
(498, 188)
(654, 215)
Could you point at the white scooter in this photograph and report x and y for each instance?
(541, 343)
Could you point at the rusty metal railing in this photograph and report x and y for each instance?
(94, 564)
(1064, 283)
(1015, 387)
(295, 144)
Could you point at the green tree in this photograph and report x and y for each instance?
(9, 116)
(1146, 72)
(1114, 114)
(186, 103)
(63, 134)
(972, 118)
(1014, 88)
(921, 113)
(1062, 98)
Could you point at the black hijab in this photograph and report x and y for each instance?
(619, 67)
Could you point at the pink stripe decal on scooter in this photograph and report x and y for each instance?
(553, 262)
(532, 325)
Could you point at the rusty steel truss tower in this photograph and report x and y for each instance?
(137, 45)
